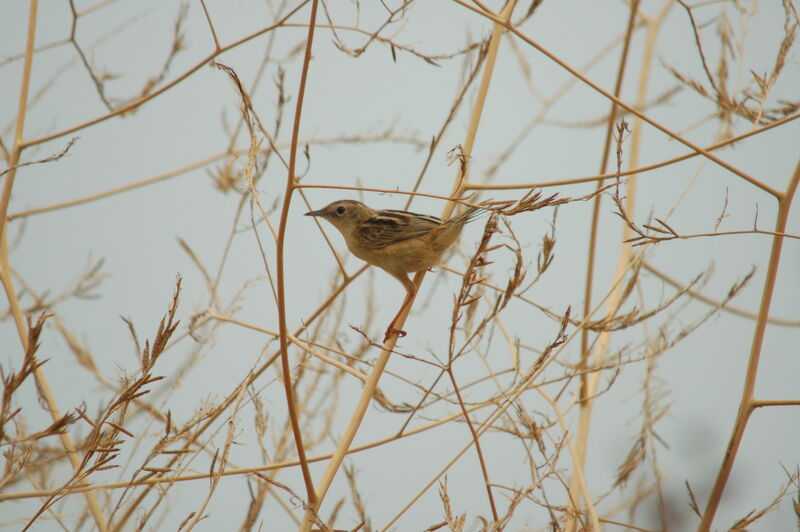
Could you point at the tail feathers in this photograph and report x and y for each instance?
(472, 213)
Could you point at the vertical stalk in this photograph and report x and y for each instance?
(281, 270)
(584, 417)
(5, 268)
(480, 103)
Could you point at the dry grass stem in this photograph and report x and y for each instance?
(564, 359)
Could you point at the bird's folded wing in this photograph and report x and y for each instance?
(388, 227)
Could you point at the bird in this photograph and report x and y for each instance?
(398, 242)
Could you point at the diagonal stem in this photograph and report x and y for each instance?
(380, 364)
(748, 402)
(629, 108)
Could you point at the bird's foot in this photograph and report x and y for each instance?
(391, 331)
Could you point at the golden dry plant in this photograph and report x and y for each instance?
(612, 345)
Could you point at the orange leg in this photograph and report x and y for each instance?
(411, 291)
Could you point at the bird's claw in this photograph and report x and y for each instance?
(391, 331)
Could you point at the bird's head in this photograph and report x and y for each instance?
(345, 215)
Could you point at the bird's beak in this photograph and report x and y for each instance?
(314, 213)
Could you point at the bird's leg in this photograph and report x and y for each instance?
(411, 291)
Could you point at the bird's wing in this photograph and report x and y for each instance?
(389, 226)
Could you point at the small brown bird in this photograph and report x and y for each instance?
(398, 242)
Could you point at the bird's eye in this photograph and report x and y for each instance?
(340, 210)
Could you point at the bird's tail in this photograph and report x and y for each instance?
(471, 213)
